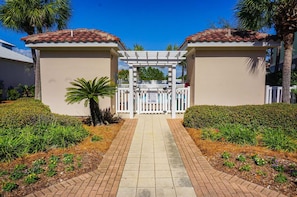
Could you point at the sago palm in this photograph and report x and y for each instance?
(89, 92)
(279, 14)
(35, 16)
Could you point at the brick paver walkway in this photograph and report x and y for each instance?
(105, 181)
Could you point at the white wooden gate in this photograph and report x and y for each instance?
(153, 100)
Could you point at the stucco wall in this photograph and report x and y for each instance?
(59, 68)
(13, 73)
(229, 77)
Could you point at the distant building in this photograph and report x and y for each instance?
(15, 68)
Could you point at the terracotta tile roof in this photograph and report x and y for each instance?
(229, 35)
(71, 36)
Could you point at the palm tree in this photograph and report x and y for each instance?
(35, 16)
(280, 14)
(138, 47)
(89, 91)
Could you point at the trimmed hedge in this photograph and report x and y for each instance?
(276, 116)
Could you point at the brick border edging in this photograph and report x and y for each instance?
(205, 179)
(106, 179)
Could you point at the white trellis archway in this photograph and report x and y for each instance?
(157, 59)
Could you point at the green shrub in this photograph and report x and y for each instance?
(28, 126)
(31, 178)
(238, 134)
(24, 112)
(282, 116)
(258, 160)
(229, 164)
(241, 158)
(226, 155)
(13, 94)
(280, 178)
(9, 186)
(211, 134)
(246, 167)
(275, 139)
(96, 138)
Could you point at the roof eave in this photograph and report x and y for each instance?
(264, 44)
(75, 45)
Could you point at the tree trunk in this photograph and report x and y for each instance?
(36, 62)
(287, 66)
(92, 111)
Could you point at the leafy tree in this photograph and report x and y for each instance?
(138, 47)
(35, 16)
(89, 91)
(171, 47)
(150, 73)
(123, 74)
(280, 14)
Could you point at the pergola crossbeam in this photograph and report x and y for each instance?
(152, 58)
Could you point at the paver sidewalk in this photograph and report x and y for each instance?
(154, 166)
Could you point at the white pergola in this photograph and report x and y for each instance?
(152, 58)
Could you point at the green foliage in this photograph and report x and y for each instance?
(51, 173)
(258, 160)
(211, 134)
(280, 178)
(278, 167)
(282, 116)
(233, 133)
(68, 158)
(27, 126)
(226, 155)
(89, 92)
(26, 90)
(229, 164)
(275, 139)
(31, 178)
(241, 158)
(69, 168)
(9, 186)
(18, 172)
(238, 134)
(123, 75)
(3, 172)
(96, 138)
(13, 94)
(150, 73)
(246, 167)
(261, 173)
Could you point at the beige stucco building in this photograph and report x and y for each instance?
(227, 67)
(224, 66)
(15, 68)
(70, 54)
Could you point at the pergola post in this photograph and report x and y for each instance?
(173, 91)
(130, 97)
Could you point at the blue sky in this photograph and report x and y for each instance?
(151, 23)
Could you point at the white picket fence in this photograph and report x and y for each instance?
(274, 94)
(152, 100)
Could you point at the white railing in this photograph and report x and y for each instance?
(274, 94)
(122, 96)
(153, 100)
